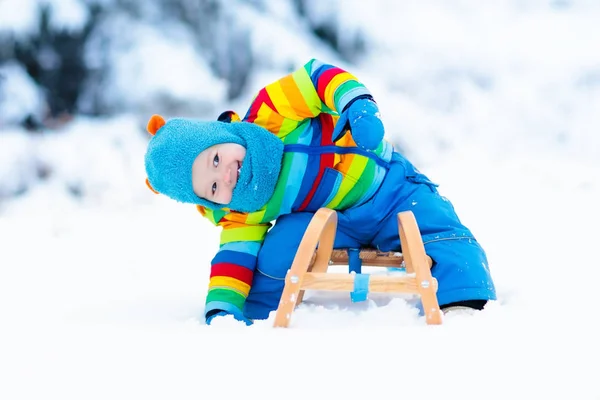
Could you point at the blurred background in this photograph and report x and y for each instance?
(103, 283)
(80, 78)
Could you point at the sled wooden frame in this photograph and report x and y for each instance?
(309, 268)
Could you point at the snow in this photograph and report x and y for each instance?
(148, 64)
(67, 14)
(18, 16)
(18, 95)
(21, 16)
(102, 283)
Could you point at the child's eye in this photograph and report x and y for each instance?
(216, 160)
(214, 188)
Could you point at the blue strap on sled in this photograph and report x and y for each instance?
(361, 281)
(361, 288)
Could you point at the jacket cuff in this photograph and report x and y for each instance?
(216, 306)
(362, 96)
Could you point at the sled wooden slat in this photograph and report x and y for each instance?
(373, 258)
(345, 282)
(316, 253)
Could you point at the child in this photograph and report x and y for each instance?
(311, 139)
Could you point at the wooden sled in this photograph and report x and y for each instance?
(309, 268)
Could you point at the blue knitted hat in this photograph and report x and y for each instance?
(175, 145)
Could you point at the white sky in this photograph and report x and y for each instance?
(102, 297)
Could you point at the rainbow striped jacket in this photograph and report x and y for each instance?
(301, 109)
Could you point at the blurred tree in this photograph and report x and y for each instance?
(77, 67)
(349, 43)
(54, 59)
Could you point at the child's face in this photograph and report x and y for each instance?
(216, 171)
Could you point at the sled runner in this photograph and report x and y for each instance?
(309, 268)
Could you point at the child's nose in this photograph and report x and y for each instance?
(227, 178)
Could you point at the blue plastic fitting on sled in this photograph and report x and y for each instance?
(361, 288)
(354, 261)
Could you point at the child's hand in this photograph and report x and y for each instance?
(362, 117)
(241, 318)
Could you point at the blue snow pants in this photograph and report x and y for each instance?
(459, 263)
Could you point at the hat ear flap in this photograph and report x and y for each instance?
(156, 122)
(150, 186)
(229, 116)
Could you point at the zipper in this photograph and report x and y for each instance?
(312, 150)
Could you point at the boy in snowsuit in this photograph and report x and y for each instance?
(311, 139)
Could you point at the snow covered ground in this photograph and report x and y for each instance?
(104, 301)
(101, 295)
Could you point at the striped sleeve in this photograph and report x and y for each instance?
(232, 268)
(334, 86)
(305, 93)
